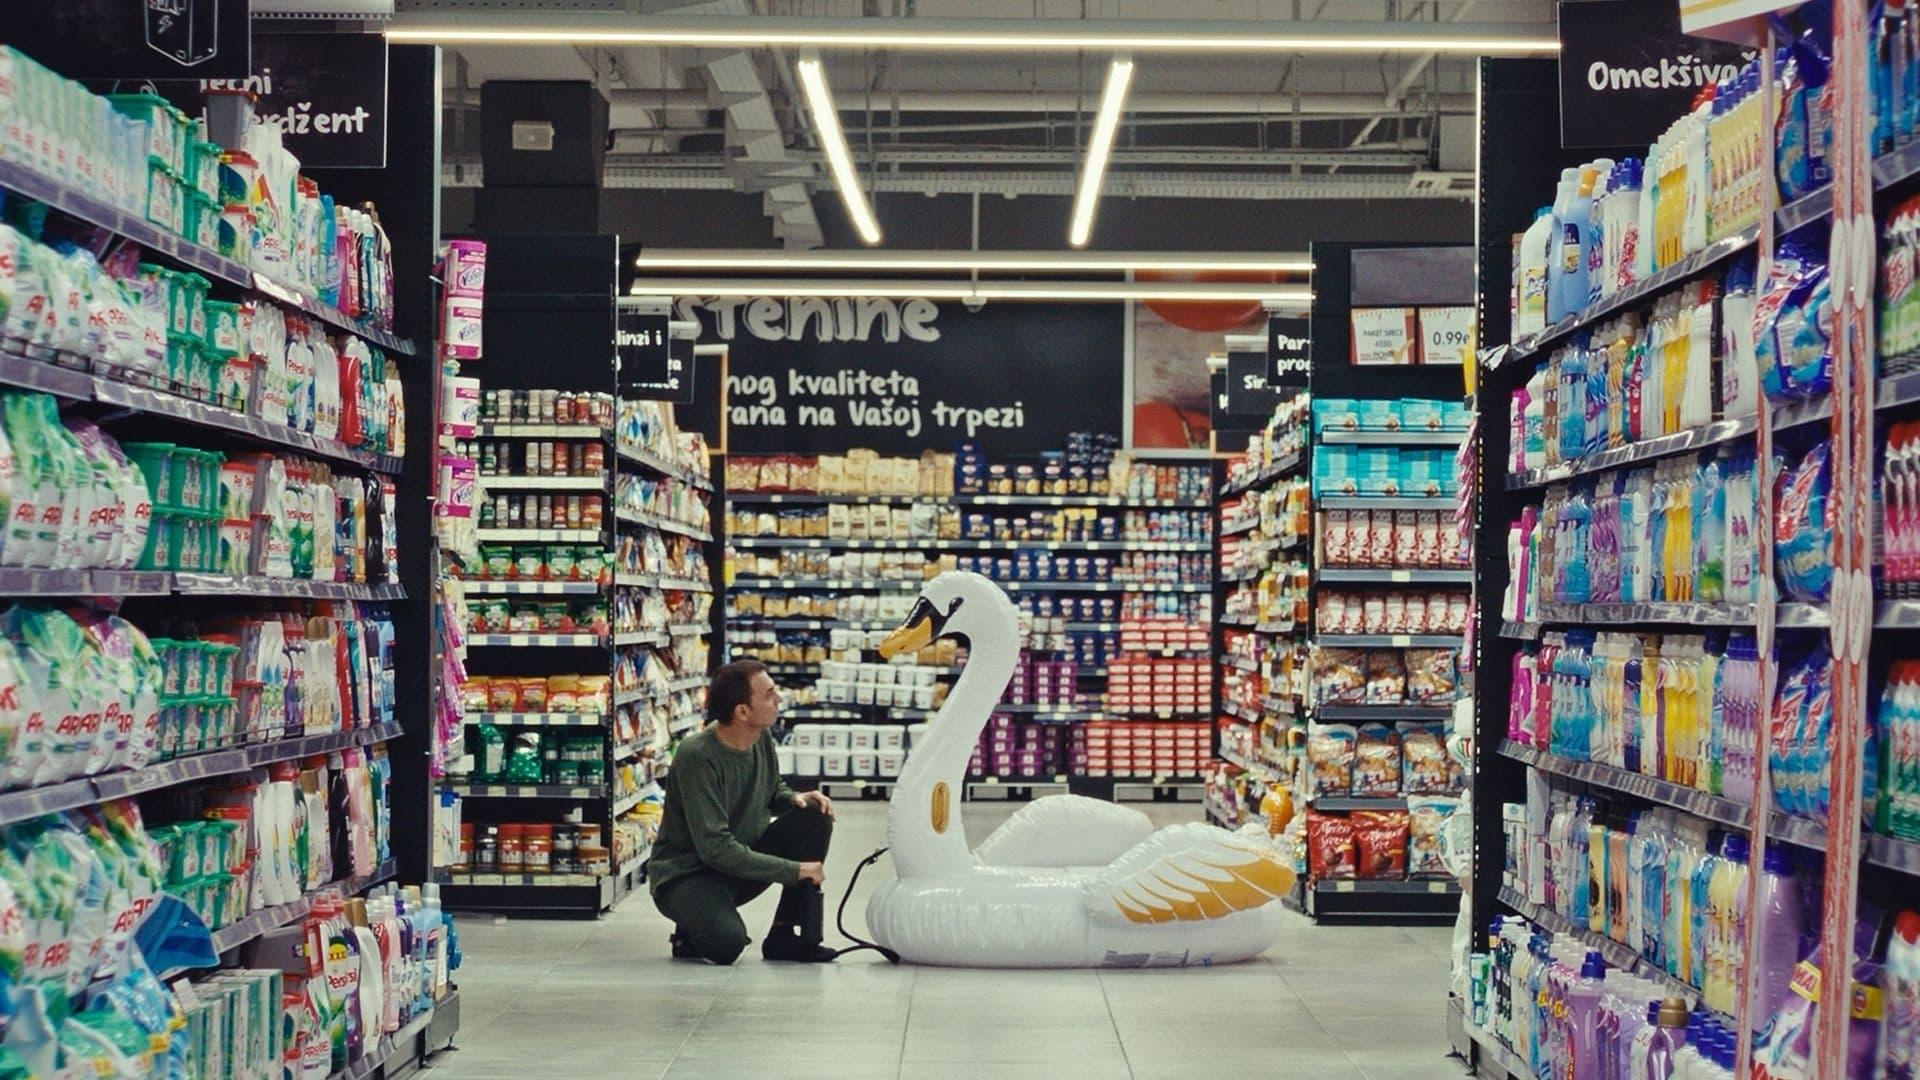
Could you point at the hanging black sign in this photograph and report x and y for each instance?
(1289, 351)
(1626, 71)
(135, 39)
(646, 358)
(1230, 429)
(901, 376)
(680, 369)
(1249, 391)
(328, 92)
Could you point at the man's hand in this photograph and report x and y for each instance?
(826, 805)
(814, 872)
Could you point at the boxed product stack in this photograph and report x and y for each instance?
(1158, 636)
(857, 751)
(1045, 684)
(1011, 748)
(1158, 686)
(1142, 748)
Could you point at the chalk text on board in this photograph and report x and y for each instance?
(817, 319)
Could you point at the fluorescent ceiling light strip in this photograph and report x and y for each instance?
(962, 261)
(1093, 172)
(826, 124)
(952, 290)
(964, 34)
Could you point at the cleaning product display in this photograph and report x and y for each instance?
(246, 201)
(202, 469)
(1107, 556)
(1661, 700)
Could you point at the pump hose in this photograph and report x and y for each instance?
(840, 916)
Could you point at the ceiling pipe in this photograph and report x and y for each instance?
(969, 35)
(1278, 106)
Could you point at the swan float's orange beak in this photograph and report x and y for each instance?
(921, 627)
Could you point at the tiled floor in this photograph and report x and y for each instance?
(586, 999)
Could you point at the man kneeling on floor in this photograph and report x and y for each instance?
(719, 845)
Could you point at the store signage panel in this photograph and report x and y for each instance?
(1249, 391)
(1627, 69)
(646, 358)
(328, 93)
(1289, 351)
(135, 39)
(1231, 430)
(900, 376)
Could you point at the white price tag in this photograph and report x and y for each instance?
(1401, 576)
(1402, 639)
(1436, 886)
(1343, 886)
(1446, 335)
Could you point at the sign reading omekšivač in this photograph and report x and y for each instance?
(328, 93)
(1289, 350)
(900, 376)
(646, 358)
(1626, 71)
(133, 39)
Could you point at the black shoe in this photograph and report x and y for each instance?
(788, 948)
(682, 948)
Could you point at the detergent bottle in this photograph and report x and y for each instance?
(1583, 1017)
(1536, 252)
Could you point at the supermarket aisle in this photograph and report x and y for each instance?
(579, 999)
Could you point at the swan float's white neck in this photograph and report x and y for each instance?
(923, 820)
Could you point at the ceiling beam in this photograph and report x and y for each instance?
(1213, 36)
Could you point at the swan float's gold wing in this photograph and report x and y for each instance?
(1188, 873)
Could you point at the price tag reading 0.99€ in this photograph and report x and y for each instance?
(1446, 335)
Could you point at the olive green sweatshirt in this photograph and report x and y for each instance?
(719, 802)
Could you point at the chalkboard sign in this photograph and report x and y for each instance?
(1231, 430)
(328, 92)
(646, 362)
(900, 376)
(1626, 71)
(1249, 392)
(134, 39)
(1289, 351)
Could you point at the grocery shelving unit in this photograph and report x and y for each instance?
(1240, 520)
(553, 296)
(1092, 678)
(1401, 278)
(1857, 864)
(406, 192)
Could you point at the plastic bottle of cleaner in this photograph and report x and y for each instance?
(1575, 226)
(1583, 1017)
(1642, 1045)
(1557, 263)
(1900, 1036)
(1727, 942)
(1595, 240)
(1784, 920)
(1536, 246)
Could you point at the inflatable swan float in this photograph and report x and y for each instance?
(1067, 881)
